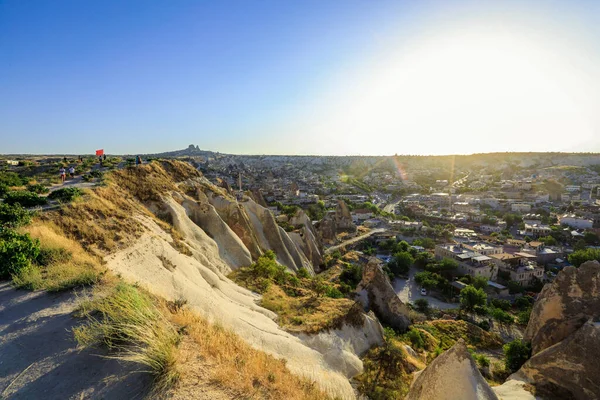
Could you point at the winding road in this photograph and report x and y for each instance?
(353, 240)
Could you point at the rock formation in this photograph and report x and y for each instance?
(382, 298)
(569, 369)
(564, 306)
(336, 222)
(452, 376)
(306, 238)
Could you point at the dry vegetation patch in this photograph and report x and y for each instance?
(62, 263)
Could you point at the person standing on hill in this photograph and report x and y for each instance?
(72, 172)
(63, 174)
(138, 160)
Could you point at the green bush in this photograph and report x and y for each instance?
(501, 315)
(37, 188)
(11, 179)
(523, 316)
(416, 338)
(17, 251)
(333, 292)
(524, 302)
(401, 262)
(65, 195)
(303, 273)
(501, 304)
(13, 215)
(422, 305)
(24, 198)
(351, 275)
(3, 189)
(485, 325)
(516, 353)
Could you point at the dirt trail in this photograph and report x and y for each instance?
(39, 359)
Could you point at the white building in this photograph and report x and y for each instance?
(537, 230)
(573, 221)
(520, 207)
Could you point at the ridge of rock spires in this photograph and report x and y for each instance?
(453, 375)
(336, 222)
(564, 306)
(382, 298)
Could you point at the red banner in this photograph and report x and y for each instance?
(100, 152)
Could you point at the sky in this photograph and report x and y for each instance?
(324, 77)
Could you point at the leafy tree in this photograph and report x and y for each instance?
(427, 243)
(548, 241)
(427, 279)
(501, 315)
(501, 304)
(448, 264)
(523, 302)
(401, 262)
(3, 189)
(402, 246)
(351, 275)
(303, 273)
(470, 297)
(580, 245)
(422, 259)
(480, 282)
(580, 256)
(516, 353)
(512, 219)
(590, 238)
(17, 251)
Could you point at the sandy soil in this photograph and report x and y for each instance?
(39, 359)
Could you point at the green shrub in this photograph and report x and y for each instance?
(303, 273)
(485, 325)
(422, 305)
(351, 275)
(37, 188)
(17, 251)
(13, 215)
(501, 304)
(501, 315)
(523, 316)
(3, 189)
(24, 198)
(524, 302)
(516, 353)
(333, 292)
(11, 179)
(416, 338)
(470, 297)
(65, 195)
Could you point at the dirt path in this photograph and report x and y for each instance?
(39, 359)
(353, 240)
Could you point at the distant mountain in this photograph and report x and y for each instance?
(190, 151)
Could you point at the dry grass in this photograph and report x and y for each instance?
(129, 323)
(66, 264)
(307, 312)
(447, 332)
(236, 367)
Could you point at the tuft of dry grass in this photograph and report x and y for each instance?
(128, 322)
(237, 367)
(64, 264)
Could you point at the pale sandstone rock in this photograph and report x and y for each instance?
(382, 298)
(564, 306)
(451, 376)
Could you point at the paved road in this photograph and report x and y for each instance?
(353, 240)
(408, 291)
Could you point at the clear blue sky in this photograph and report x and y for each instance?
(296, 77)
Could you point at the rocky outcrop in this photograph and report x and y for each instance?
(306, 238)
(453, 376)
(258, 197)
(569, 369)
(381, 297)
(236, 218)
(343, 346)
(336, 222)
(271, 236)
(564, 306)
(231, 249)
